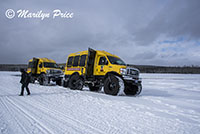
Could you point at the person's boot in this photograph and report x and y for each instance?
(21, 95)
(28, 91)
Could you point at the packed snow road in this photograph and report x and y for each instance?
(169, 103)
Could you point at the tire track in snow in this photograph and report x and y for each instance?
(72, 123)
(96, 123)
(28, 106)
(14, 117)
(173, 111)
(31, 119)
(22, 112)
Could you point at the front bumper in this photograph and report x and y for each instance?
(55, 77)
(132, 80)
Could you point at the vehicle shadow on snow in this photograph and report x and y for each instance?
(46, 94)
(33, 94)
(156, 93)
(16, 75)
(36, 82)
(151, 92)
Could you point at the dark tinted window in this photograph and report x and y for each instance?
(76, 60)
(82, 61)
(30, 64)
(50, 65)
(69, 62)
(103, 61)
(115, 60)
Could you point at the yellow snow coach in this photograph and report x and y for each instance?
(97, 69)
(45, 70)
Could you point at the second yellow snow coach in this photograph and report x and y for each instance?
(45, 70)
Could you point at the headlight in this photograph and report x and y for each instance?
(122, 71)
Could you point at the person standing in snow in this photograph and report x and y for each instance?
(25, 80)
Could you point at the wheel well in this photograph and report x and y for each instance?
(75, 73)
(42, 73)
(114, 73)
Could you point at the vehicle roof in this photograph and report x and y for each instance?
(44, 60)
(98, 52)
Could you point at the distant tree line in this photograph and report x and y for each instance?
(142, 68)
(168, 69)
(12, 67)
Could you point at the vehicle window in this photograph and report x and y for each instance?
(115, 60)
(76, 60)
(103, 61)
(50, 65)
(40, 65)
(82, 61)
(30, 64)
(69, 61)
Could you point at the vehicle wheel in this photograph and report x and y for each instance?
(94, 88)
(43, 80)
(59, 82)
(32, 79)
(76, 82)
(111, 85)
(65, 84)
(132, 89)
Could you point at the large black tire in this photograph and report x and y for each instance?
(132, 89)
(76, 82)
(111, 85)
(94, 88)
(59, 82)
(65, 84)
(43, 80)
(32, 79)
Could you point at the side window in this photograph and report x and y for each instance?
(103, 61)
(82, 61)
(76, 60)
(69, 62)
(40, 65)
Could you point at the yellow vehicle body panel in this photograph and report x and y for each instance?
(99, 70)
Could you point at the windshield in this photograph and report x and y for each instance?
(30, 65)
(115, 60)
(50, 65)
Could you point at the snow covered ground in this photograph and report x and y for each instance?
(169, 103)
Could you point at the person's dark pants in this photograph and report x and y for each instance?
(27, 89)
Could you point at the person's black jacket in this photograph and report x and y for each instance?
(25, 78)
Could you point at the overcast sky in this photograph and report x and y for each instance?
(143, 32)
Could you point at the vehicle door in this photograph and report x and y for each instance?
(35, 66)
(90, 62)
(102, 66)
